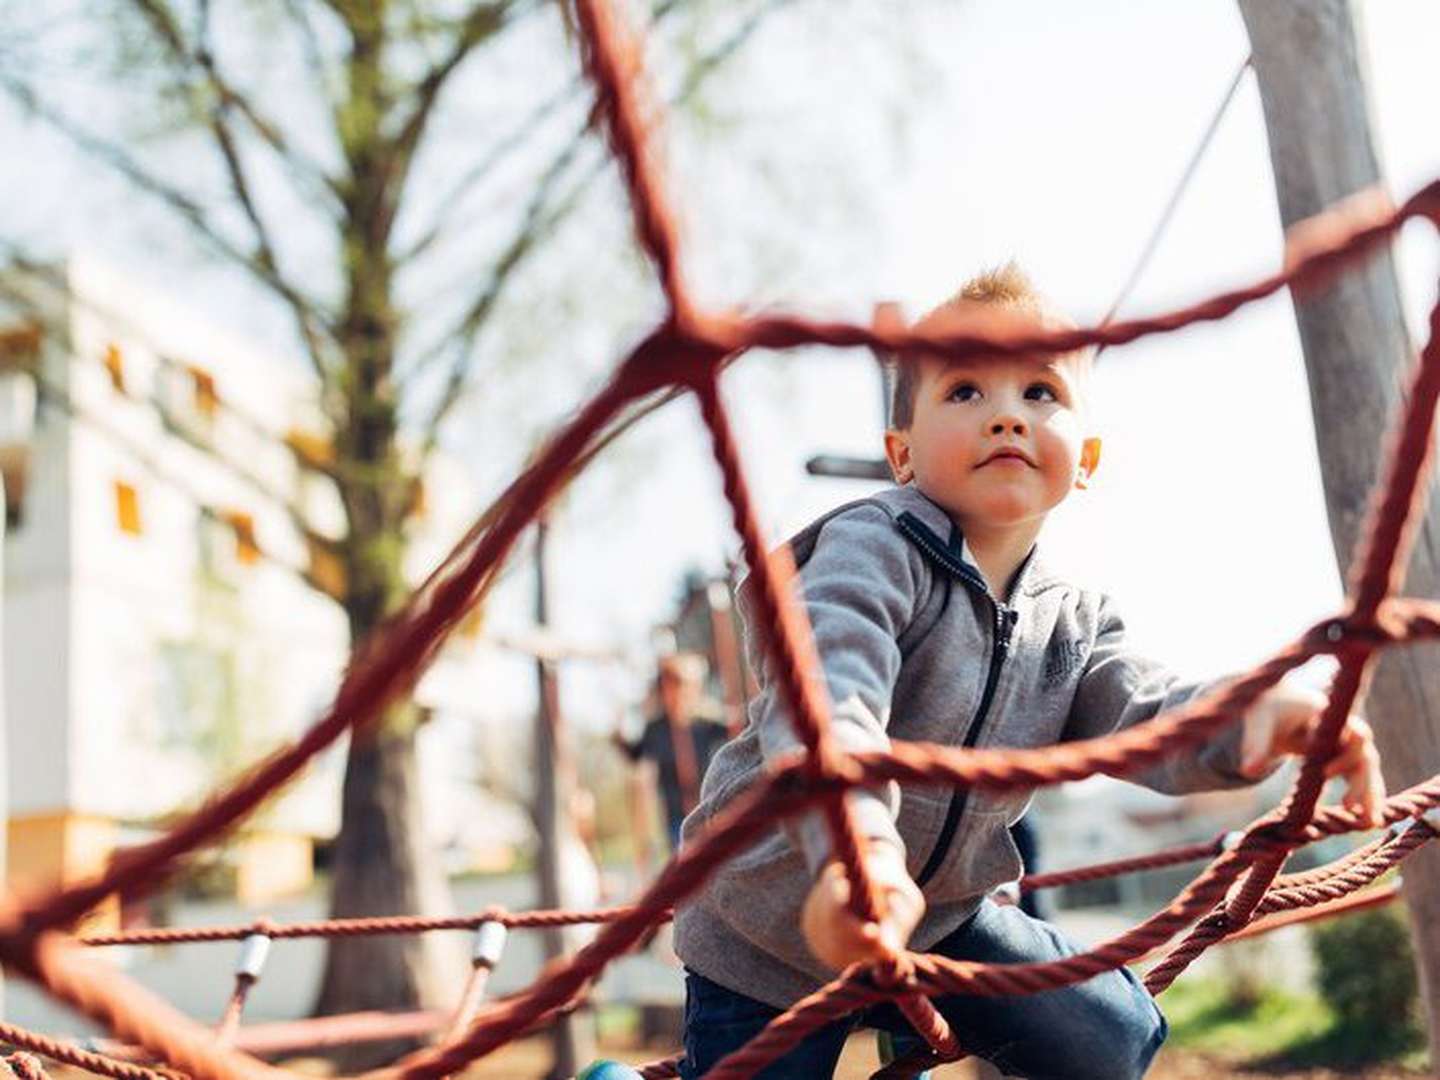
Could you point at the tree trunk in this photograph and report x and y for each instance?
(382, 864)
(1357, 351)
(383, 867)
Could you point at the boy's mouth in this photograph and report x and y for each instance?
(1007, 453)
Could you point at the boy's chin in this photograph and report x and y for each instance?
(1005, 515)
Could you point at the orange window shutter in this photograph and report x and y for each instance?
(115, 367)
(207, 397)
(127, 509)
(20, 346)
(247, 550)
(327, 572)
(314, 451)
(419, 499)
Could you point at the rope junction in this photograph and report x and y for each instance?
(1240, 889)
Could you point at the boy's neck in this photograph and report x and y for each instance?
(1000, 551)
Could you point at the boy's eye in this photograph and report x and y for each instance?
(964, 392)
(1041, 392)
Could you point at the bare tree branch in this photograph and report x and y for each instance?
(201, 60)
(312, 319)
(538, 221)
(502, 149)
(224, 99)
(219, 125)
(314, 54)
(522, 132)
(480, 24)
(716, 58)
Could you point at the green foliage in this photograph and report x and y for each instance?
(1363, 1011)
(1280, 1032)
(1249, 972)
(1365, 970)
(1205, 1014)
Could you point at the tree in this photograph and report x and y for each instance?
(312, 193)
(1356, 351)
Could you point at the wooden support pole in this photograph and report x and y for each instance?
(1356, 351)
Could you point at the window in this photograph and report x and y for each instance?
(17, 428)
(20, 347)
(207, 397)
(127, 509)
(247, 551)
(315, 451)
(189, 400)
(14, 471)
(327, 572)
(115, 367)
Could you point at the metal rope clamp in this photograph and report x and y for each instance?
(489, 944)
(1431, 818)
(253, 952)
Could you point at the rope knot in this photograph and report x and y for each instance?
(1273, 834)
(1346, 634)
(25, 1066)
(894, 973)
(675, 352)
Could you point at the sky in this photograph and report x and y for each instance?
(1054, 134)
(894, 153)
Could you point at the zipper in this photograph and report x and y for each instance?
(1002, 623)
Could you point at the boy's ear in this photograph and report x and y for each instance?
(897, 453)
(1089, 461)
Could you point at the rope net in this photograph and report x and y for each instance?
(1240, 890)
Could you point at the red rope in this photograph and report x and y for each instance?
(689, 348)
(1170, 857)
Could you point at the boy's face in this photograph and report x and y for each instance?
(995, 441)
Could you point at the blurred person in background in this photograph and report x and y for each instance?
(679, 740)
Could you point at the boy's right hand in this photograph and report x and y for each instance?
(833, 932)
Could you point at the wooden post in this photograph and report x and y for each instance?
(1356, 353)
(572, 1046)
(726, 650)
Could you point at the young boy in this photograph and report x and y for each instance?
(936, 620)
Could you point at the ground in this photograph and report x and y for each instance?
(1192, 1065)
(530, 1058)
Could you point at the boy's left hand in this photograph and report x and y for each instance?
(1279, 725)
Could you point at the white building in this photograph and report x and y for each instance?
(163, 628)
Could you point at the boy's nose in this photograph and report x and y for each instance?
(1003, 425)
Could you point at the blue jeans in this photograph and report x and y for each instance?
(1106, 1028)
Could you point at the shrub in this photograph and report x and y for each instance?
(1365, 970)
(1248, 973)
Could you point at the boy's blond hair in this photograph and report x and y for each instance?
(1007, 287)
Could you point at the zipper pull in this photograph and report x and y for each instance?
(1008, 618)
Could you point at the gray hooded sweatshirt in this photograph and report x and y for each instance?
(914, 646)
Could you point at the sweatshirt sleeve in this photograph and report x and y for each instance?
(860, 588)
(1120, 688)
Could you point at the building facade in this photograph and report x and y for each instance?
(166, 617)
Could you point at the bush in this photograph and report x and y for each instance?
(1248, 973)
(1365, 970)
